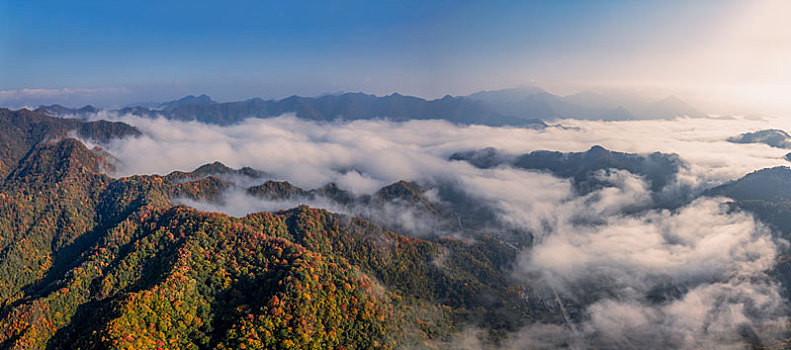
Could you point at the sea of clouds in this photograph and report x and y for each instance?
(692, 277)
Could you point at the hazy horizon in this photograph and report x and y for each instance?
(74, 98)
(726, 57)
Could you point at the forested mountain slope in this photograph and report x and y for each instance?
(21, 130)
(89, 261)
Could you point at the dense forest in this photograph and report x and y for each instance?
(88, 261)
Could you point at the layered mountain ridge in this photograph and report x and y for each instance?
(659, 169)
(89, 261)
(21, 130)
(526, 107)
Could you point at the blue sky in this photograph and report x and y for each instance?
(139, 51)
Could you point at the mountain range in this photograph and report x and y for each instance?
(526, 107)
(583, 168)
(535, 102)
(93, 262)
(90, 261)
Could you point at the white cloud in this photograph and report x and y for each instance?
(715, 262)
(312, 154)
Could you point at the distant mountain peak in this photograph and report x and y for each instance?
(201, 100)
(276, 190)
(588, 104)
(507, 95)
(670, 107)
(597, 149)
(218, 168)
(57, 110)
(215, 167)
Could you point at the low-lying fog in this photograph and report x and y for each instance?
(606, 250)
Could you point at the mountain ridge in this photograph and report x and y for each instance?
(526, 107)
(93, 262)
(22, 130)
(660, 169)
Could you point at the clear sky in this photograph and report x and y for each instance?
(117, 52)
